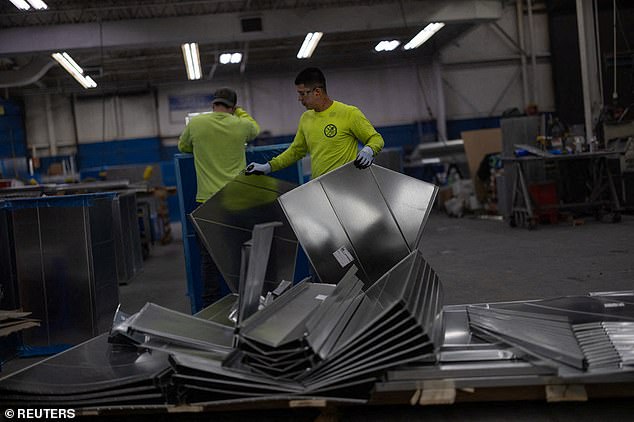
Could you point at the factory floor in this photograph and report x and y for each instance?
(477, 260)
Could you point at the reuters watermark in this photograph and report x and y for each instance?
(39, 414)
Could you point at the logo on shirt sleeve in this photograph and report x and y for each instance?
(330, 130)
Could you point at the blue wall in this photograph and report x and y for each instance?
(12, 136)
(110, 153)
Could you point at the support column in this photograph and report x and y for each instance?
(522, 45)
(50, 125)
(531, 35)
(441, 116)
(588, 63)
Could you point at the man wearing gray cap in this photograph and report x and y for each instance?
(218, 142)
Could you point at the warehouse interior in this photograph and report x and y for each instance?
(490, 239)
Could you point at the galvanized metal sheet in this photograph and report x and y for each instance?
(552, 339)
(283, 321)
(226, 220)
(318, 230)
(165, 324)
(252, 277)
(127, 238)
(89, 367)
(219, 311)
(339, 218)
(365, 217)
(409, 200)
(66, 267)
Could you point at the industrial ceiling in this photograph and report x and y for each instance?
(135, 45)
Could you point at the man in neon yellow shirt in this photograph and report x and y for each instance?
(329, 130)
(217, 141)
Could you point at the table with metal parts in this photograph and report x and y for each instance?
(584, 182)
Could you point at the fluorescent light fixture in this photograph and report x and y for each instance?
(434, 160)
(226, 58)
(424, 35)
(74, 69)
(21, 4)
(191, 56)
(24, 5)
(309, 44)
(38, 4)
(387, 45)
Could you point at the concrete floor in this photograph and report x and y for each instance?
(477, 261)
(485, 260)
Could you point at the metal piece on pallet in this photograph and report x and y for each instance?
(89, 368)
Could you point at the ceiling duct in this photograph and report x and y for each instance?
(27, 74)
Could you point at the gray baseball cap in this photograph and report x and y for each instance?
(225, 96)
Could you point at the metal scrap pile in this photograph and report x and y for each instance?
(375, 309)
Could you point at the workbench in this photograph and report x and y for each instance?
(584, 183)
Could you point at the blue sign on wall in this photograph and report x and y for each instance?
(180, 105)
(193, 102)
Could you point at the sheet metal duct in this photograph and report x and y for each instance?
(8, 283)
(65, 265)
(225, 222)
(127, 237)
(373, 218)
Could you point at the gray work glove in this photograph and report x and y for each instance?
(364, 158)
(257, 168)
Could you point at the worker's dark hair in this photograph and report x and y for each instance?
(311, 77)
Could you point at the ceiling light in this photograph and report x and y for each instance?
(226, 58)
(38, 4)
(21, 4)
(74, 69)
(191, 56)
(387, 45)
(424, 35)
(309, 44)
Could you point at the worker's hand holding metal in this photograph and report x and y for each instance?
(257, 168)
(364, 158)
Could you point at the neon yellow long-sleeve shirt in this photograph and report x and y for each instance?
(330, 136)
(218, 142)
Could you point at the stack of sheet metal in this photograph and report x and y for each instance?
(322, 339)
(90, 374)
(360, 229)
(608, 344)
(391, 323)
(580, 331)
